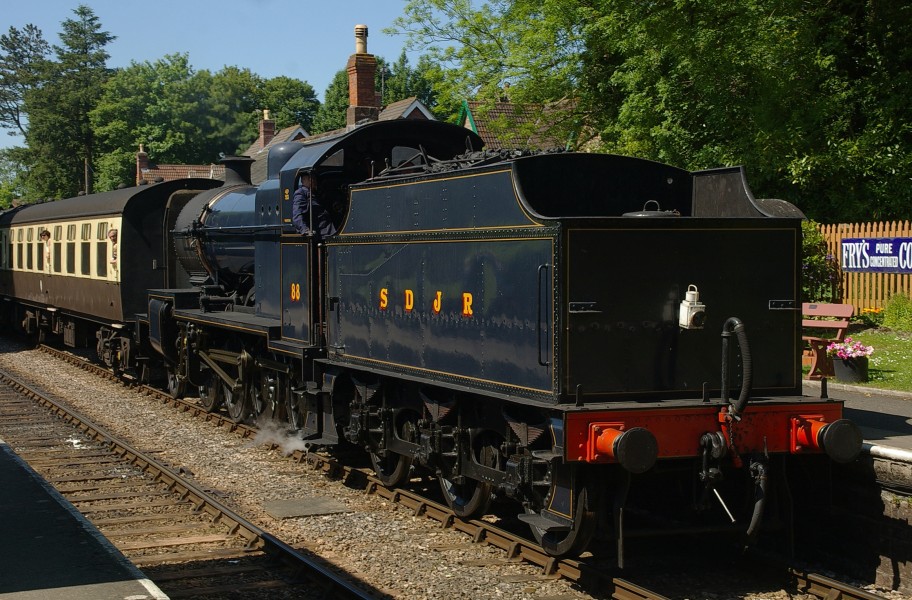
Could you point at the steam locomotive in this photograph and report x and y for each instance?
(608, 342)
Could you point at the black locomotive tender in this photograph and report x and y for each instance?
(564, 330)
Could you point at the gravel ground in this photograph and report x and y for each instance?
(418, 558)
(397, 553)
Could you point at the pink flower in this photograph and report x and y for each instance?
(849, 348)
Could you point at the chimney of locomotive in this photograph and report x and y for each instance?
(237, 170)
(362, 91)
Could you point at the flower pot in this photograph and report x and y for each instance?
(851, 370)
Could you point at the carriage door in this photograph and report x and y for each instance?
(296, 268)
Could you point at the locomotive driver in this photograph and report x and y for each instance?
(307, 214)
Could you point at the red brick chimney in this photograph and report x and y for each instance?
(267, 129)
(142, 164)
(362, 93)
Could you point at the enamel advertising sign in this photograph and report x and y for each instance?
(877, 255)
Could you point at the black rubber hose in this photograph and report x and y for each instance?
(747, 370)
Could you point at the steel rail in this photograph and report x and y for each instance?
(256, 538)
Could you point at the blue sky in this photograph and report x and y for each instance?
(304, 39)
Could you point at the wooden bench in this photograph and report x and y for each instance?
(822, 325)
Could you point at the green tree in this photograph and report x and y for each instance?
(811, 97)
(231, 111)
(157, 104)
(290, 101)
(59, 134)
(13, 171)
(22, 57)
(331, 114)
(399, 81)
(531, 46)
(803, 94)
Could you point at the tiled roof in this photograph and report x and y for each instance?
(409, 108)
(508, 125)
(172, 172)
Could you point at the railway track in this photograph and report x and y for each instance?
(181, 535)
(516, 547)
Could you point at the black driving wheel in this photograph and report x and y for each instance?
(261, 405)
(176, 385)
(470, 498)
(236, 402)
(391, 468)
(210, 394)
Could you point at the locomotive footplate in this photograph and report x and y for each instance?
(238, 321)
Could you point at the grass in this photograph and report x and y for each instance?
(890, 367)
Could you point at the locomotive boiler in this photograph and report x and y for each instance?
(610, 344)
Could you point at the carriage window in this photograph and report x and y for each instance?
(58, 233)
(19, 254)
(101, 233)
(85, 262)
(19, 235)
(29, 261)
(39, 251)
(101, 259)
(57, 256)
(71, 255)
(29, 235)
(86, 231)
(71, 233)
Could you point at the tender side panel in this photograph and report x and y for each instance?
(474, 312)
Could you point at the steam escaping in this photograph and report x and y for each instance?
(276, 434)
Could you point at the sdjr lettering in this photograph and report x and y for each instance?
(436, 303)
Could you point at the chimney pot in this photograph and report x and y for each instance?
(360, 39)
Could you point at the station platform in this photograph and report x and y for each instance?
(884, 416)
(48, 551)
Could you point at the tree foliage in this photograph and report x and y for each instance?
(156, 104)
(22, 57)
(59, 134)
(811, 97)
(185, 117)
(331, 114)
(290, 101)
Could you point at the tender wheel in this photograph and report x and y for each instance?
(210, 395)
(235, 403)
(574, 541)
(470, 498)
(393, 469)
(176, 386)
